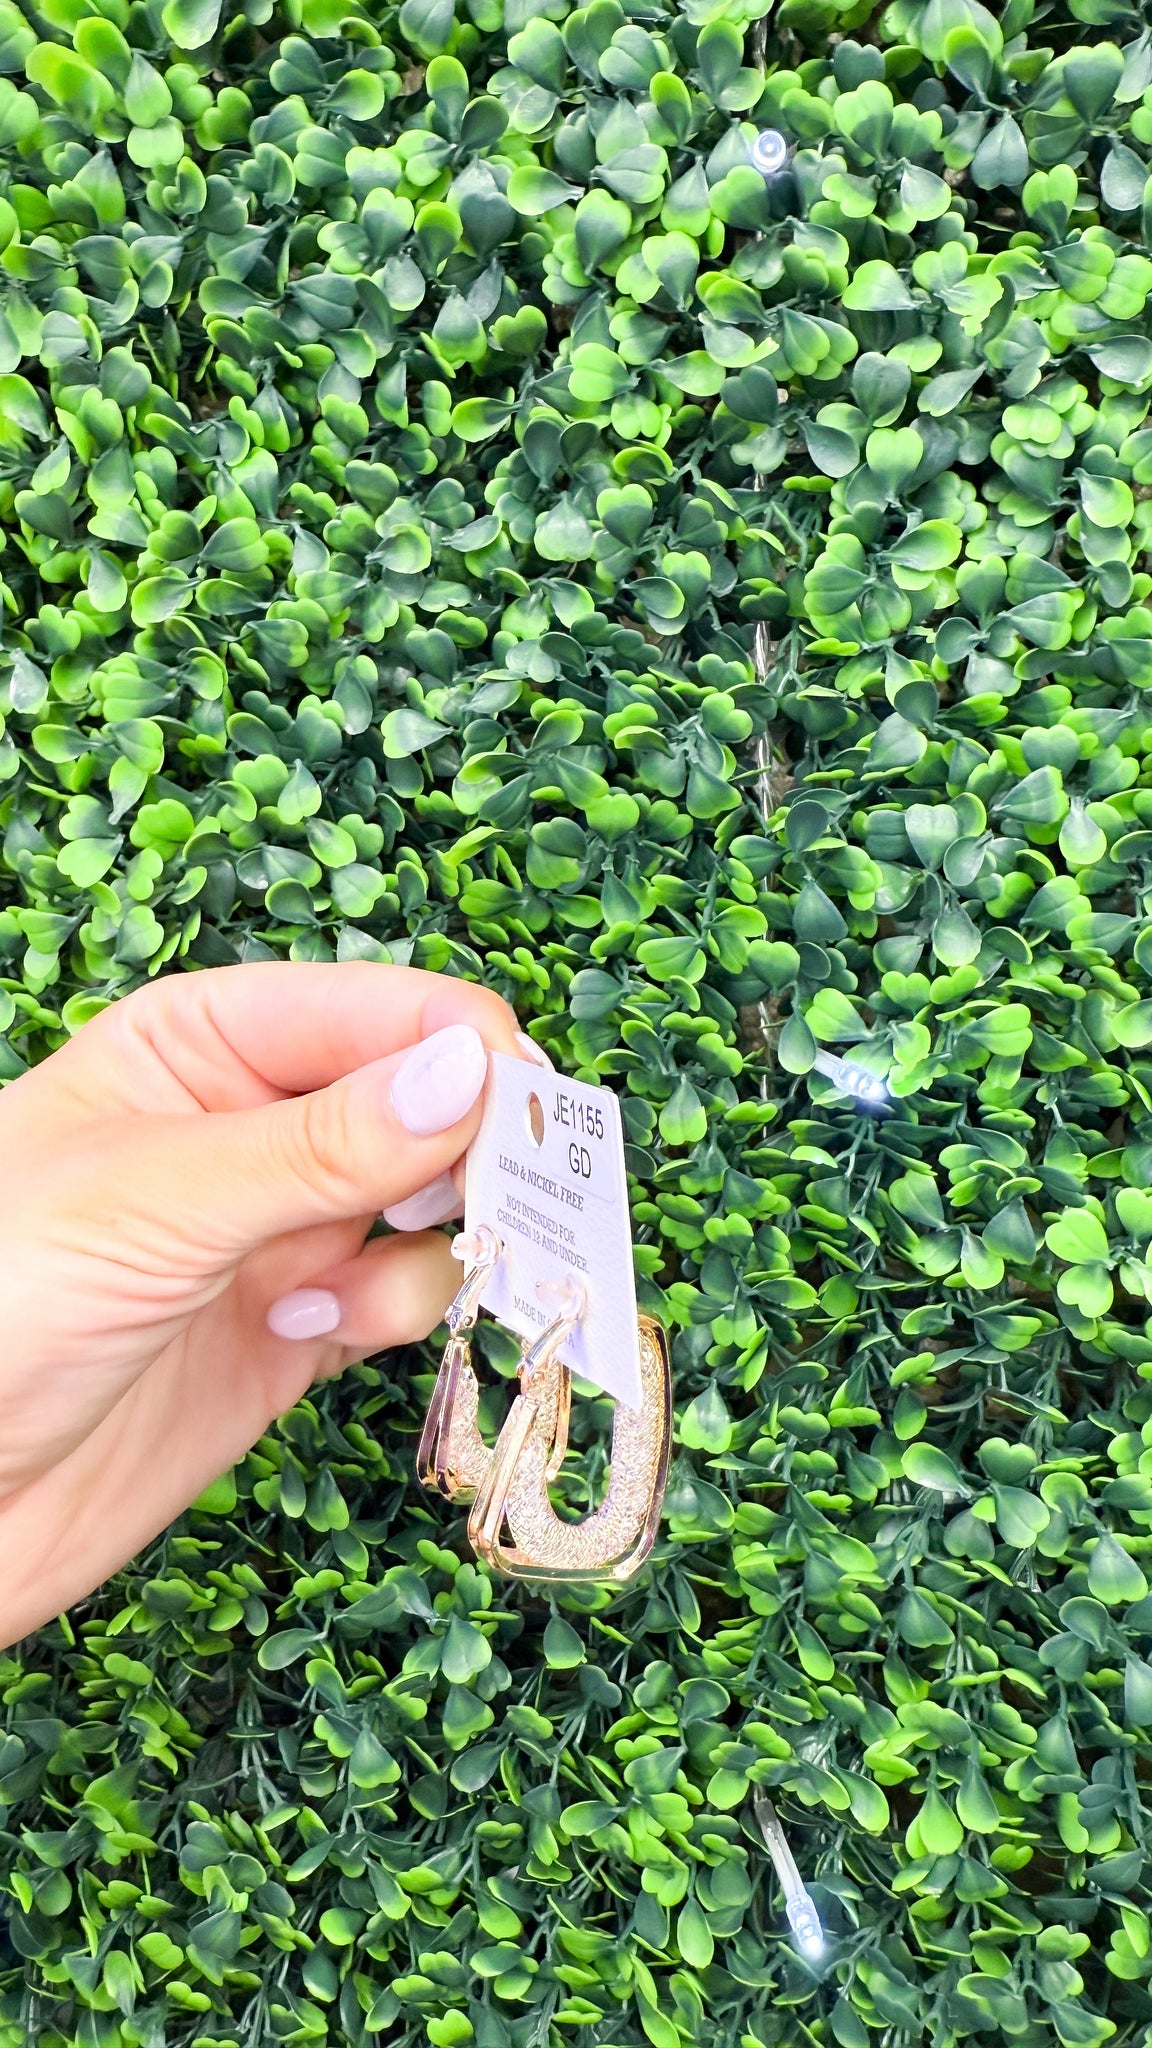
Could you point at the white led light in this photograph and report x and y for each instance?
(799, 1904)
(853, 1081)
(769, 152)
(804, 1921)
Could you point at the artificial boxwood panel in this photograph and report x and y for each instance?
(454, 510)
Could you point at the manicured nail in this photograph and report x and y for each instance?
(439, 1080)
(306, 1312)
(532, 1051)
(431, 1205)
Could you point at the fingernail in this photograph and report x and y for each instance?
(439, 1080)
(433, 1204)
(532, 1051)
(306, 1312)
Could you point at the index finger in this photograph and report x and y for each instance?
(233, 1037)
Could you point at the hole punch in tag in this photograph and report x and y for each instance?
(546, 1173)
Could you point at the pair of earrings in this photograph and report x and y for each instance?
(512, 1523)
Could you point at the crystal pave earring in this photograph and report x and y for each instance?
(453, 1457)
(513, 1525)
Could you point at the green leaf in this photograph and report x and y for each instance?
(563, 1649)
(930, 546)
(926, 1465)
(1020, 1517)
(976, 1809)
(940, 1832)
(693, 1934)
(796, 1047)
(894, 455)
(191, 23)
(1078, 1236)
(1002, 158)
(919, 1623)
(465, 1652)
(932, 829)
(1113, 1575)
(1132, 1026)
(278, 1651)
(1038, 799)
(955, 938)
(683, 1119)
(407, 732)
(1010, 1234)
(534, 192)
(877, 288)
(602, 224)
(923, 193)
(706, 1423)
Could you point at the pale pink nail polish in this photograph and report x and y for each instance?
(439, 1080)
(429, 1206)
(306, 1312)
(532, 1051)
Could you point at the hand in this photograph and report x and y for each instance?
(186, 1192)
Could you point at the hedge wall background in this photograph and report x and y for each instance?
(410, 425)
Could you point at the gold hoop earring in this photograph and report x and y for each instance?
(513, 1525)
(452, 1457)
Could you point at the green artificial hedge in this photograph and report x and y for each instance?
(455, 510)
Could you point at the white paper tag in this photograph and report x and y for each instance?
(559, 1204)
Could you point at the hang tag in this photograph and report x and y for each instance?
(546, 1173)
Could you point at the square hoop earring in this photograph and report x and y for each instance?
(513, 1525)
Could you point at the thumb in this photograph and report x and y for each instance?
(231, 1180)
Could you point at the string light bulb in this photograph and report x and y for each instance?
(799, 1905)
(769, 152)
(867, 1091)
